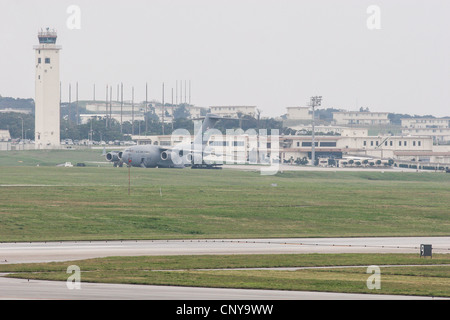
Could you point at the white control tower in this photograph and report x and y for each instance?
(47, 99)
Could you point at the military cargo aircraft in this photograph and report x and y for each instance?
(189, 154)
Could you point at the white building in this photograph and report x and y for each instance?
(299, 113)
(22, 111)
(337, 130)
(233, 111)
(47, 86)
(437, 128)
(361, 118)
(439, 135)
(401, 149)
(5, 135)
(423, 123)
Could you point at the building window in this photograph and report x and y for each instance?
(414, 143)
(298, 144)
(391, 143)
(419, 143)
(39, 60)
(404, 143)
(371, 143)
(47, 60)
(309, 144)
(399, 143)
(328, 144)
(365, 143)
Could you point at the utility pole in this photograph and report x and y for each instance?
(315, 102)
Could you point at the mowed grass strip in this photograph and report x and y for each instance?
(424, 277)
(53, 203)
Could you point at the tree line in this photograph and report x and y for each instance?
(102, 129)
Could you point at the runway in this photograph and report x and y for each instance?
(11, 253)
(68, 251)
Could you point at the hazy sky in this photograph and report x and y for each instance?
(271, 54)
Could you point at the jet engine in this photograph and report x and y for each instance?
(194, 158)
(165, 155)
(113, 156)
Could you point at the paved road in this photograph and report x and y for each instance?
(68, 251)
(285, 167)
(35, 290)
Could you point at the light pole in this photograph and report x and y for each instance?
(22, 126)
(316, 101)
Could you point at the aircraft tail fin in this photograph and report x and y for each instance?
(208, 123)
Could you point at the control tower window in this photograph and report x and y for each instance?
(47, 60)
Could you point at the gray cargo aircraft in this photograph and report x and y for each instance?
(183, 155)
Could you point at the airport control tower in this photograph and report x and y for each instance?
(47, 99)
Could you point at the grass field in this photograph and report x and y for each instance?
(92, 203)
(49, 203)
(51, 157)
(404, 274)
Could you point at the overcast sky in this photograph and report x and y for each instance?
(271, 54)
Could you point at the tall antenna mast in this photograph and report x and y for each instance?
(163, 109)
(132, 110)
(176, 92)
(121, 106)
(70, 101)
(110, 105)
(78, 114)
(146, 108)
(172, 110)
(106, 104)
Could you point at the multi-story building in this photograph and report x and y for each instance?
(437, 128)
(439, 135)
(299, 113)
(423, 123)
(233, 111)
(361, 118)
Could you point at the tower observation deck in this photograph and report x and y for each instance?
(47, 37)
